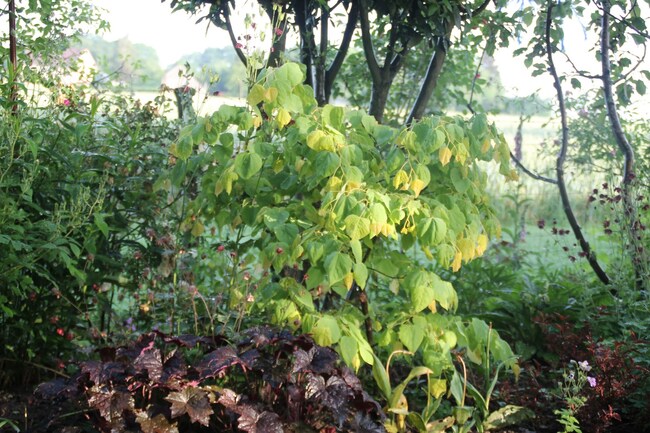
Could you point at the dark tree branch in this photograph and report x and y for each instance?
(624, 21)
(531, 174)
(469, 14)
(580, 73)
(307, 41)
(561, 157)
(233, 38)
(431, 78)
(335, 67)
(366, 38)
(322, 56)
(278, 42)
(639, 63)
(13, 57)
(622, 142)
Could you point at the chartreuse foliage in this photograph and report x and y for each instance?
(348, 219)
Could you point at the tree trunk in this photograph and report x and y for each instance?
(379, 98)
(630, 220)
(559, 166)
(431, 78)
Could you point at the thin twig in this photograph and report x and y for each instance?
(535, 176)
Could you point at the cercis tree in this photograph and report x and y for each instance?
(389, 31)
(312, 20)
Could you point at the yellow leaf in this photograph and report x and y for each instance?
(455, 265)
(271, 94)
(393, 286)
(197, 229)
(437, 387)
(348, 280)
(444, 155)
(481, 244)
(486, 145)
(466, 247)
(388, 230)
(283, 118)
(352, 186)
(375, 229)
(417, 186)
(257, 121)
(313, 139)
(278, 165)
(334, 184)
(432, 306)
(400, 179)
(299, 163)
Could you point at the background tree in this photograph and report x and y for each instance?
(123, 61)
(620, 66)
(390, 32)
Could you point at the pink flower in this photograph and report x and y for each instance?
(66, 102)
(238, 46)
(592, 381)
(278, 31)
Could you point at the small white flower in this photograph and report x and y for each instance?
(584, 366)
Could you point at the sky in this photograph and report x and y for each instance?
(152, 23)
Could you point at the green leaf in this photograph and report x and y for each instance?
(100, 223)
(640, 87)
(411, 336)
(337, 265)
(247, 164)
(360, 274)
(431, 231)
(274, 217)
(355, 246)
(357, 227)
(419, 284)
(291, 72)
(326, 331)
(348, 348)
(256, 95)
(506, 416)
(381, 378)
(183, 147)
(456, 387)
(444, 293)
(333, 116)
(286, 233)
(460, 182)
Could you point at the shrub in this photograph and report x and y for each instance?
(270, 381)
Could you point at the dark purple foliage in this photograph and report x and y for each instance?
(268, 383)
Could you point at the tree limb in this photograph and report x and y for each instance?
(366, 38)
(431, 78)
(622, 142)
(335, 67)
(559, 167)
(233, 38)
(535, 176)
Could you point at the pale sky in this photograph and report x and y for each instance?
(152, 23)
